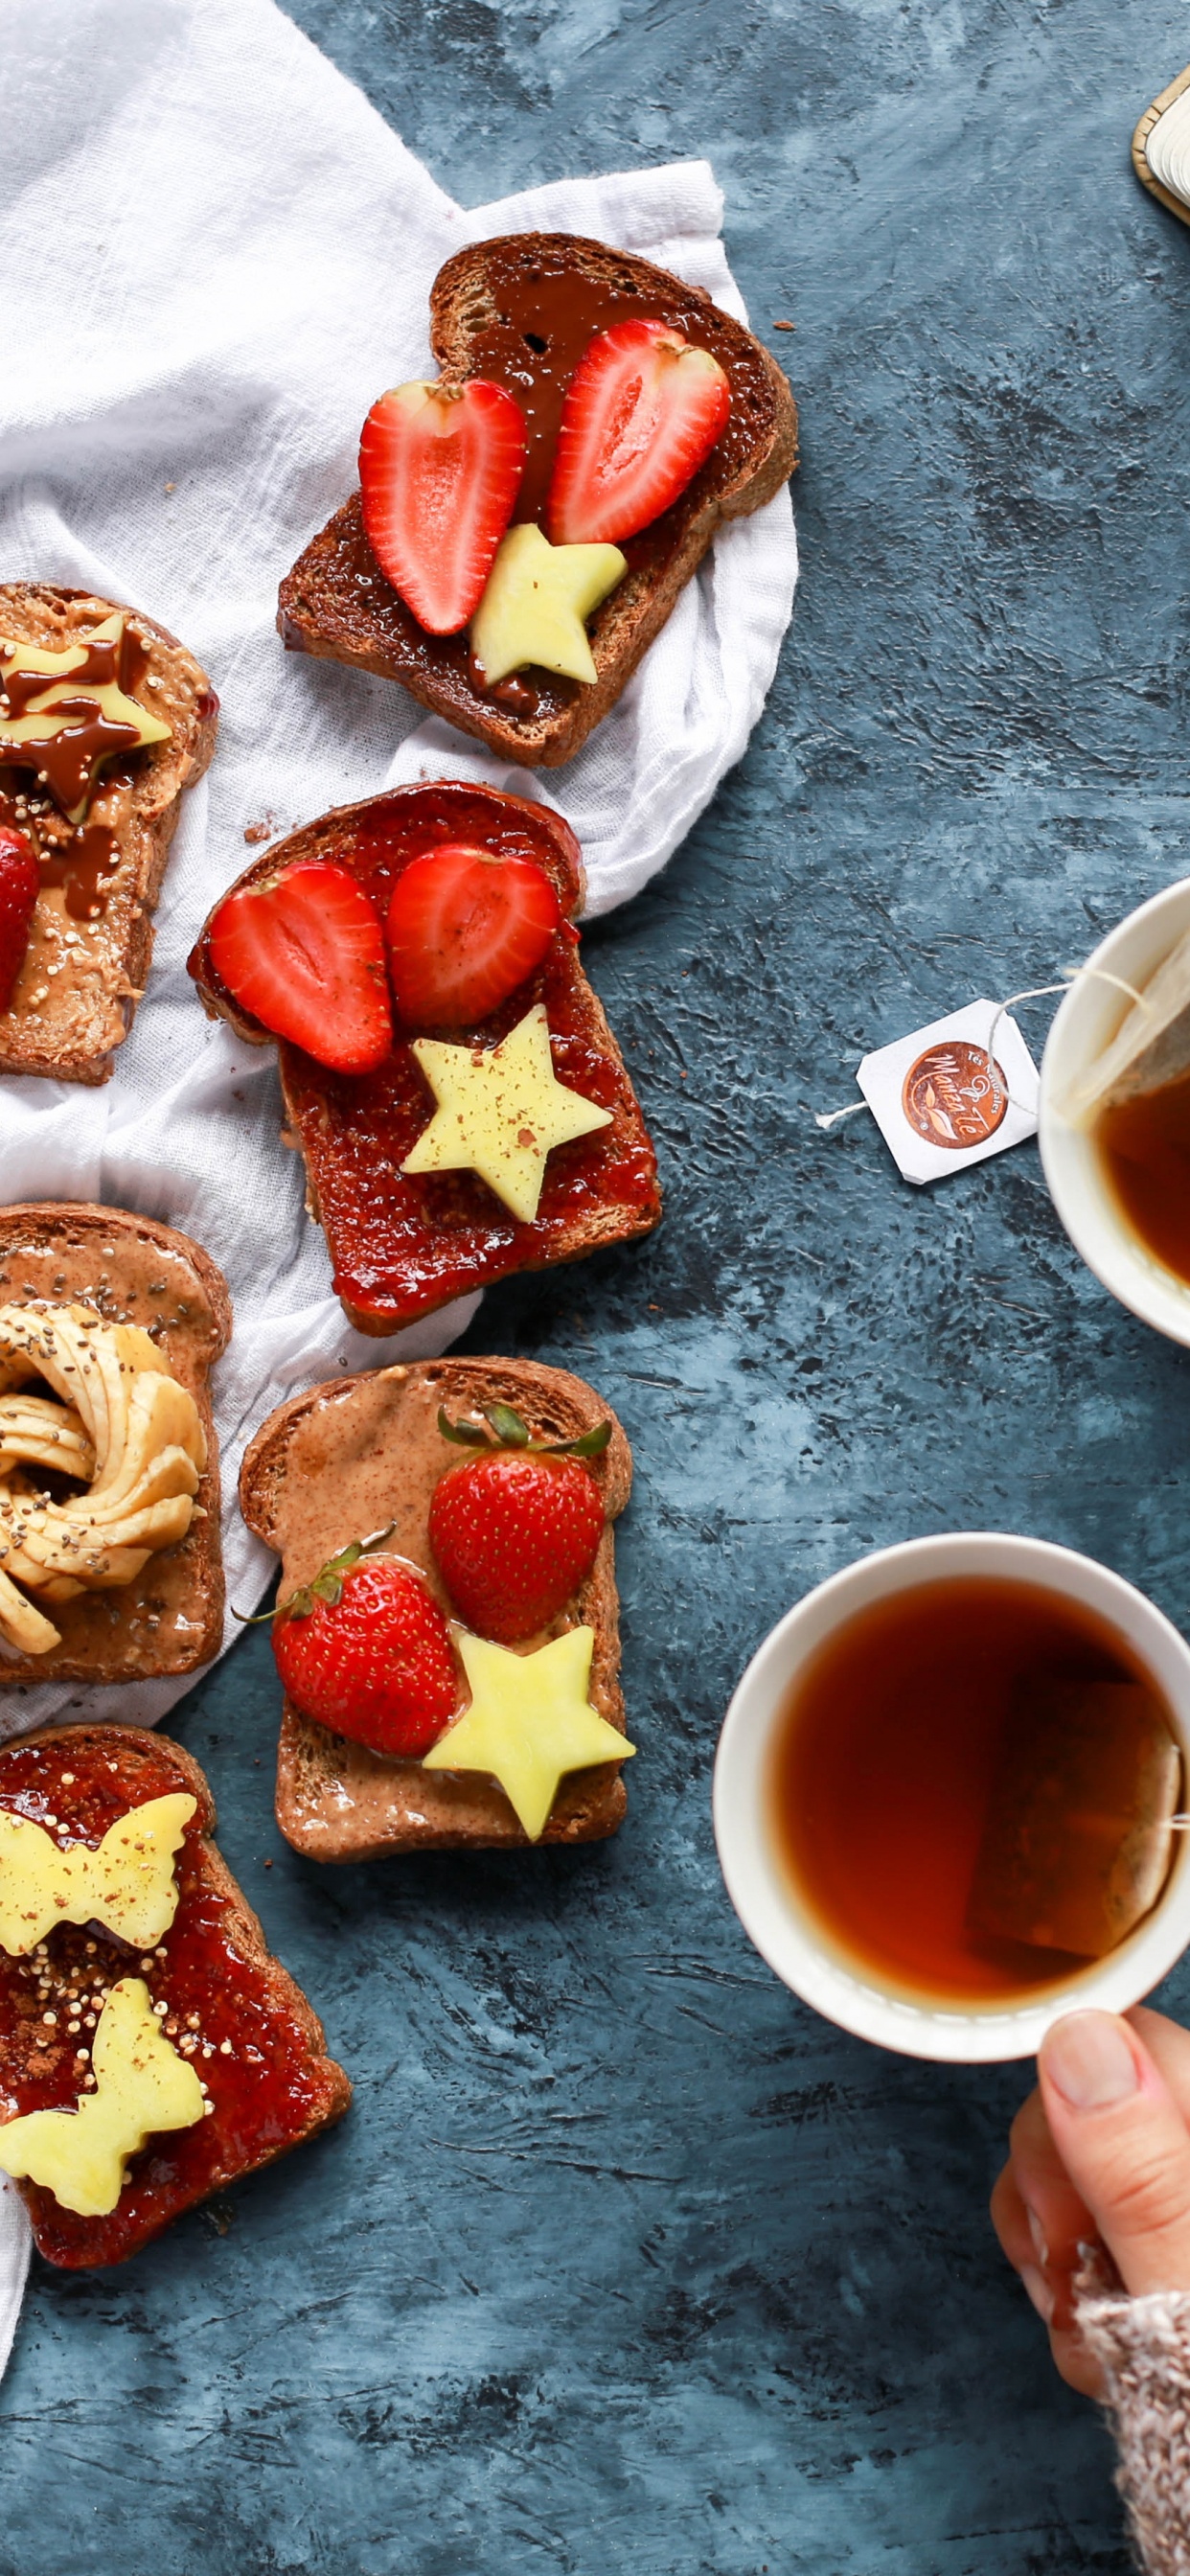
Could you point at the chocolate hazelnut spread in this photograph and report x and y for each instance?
(544, 319)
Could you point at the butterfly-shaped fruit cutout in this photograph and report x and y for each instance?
(142, 2088)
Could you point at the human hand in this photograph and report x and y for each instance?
(1100, 2150)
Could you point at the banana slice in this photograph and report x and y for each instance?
(124, 1424)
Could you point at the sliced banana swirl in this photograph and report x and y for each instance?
(124, 1425)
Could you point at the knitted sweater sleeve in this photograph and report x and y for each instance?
(1143, 2349)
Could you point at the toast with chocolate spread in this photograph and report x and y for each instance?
(97, 792)
(520, 312)
(60, 1261)
(354, 1455)
(254, 2048)
(405, 1242)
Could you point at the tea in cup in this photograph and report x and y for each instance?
(945, 1795)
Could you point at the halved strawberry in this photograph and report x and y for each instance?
(304, 953)
(439, 467)
(643, 410)
(465, 927)
(20, 882)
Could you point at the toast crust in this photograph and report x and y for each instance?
(336, 602)
(252, 1999)
(81, 980)
(403, 1246)
(132, 1271)
(348, 1457)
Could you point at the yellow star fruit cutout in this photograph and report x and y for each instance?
(501, 1111)
(128, 1884)
(142, 2088)
(534, 604)
(530, 1721)
(45, 716)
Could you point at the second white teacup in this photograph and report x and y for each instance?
(1083, 1028)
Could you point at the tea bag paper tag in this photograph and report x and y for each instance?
(935, 1102)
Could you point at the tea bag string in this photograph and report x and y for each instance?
(1070, 975)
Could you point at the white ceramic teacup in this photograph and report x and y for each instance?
(1087, 1021)
(759, 1880)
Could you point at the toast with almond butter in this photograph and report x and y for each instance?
(521, 314)
(111, 1566)
(104, 720)
(376, 1093)
(138, 1996)
(367, 1454)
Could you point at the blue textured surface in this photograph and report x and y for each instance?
(623, 2261)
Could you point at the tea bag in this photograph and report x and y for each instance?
(1149, 1050)
(1078, 1839)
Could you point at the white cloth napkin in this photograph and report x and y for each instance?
(215, 254)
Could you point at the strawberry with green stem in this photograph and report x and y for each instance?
(517, 1529)
(365, 1650)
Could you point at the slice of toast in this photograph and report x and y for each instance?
(346, 1459)
(232, 2010)
(1141, 163)
(131, 1270)
(520, 312)
(402, 1245)
(92, 937)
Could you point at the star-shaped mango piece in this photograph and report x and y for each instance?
(64, 714)
(501, 1111)
(535, 602)
(530, 1721)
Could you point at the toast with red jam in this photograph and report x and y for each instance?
(225, 2008)
(301, 936)
(521, 314)
(369, 1453)
(104, 720)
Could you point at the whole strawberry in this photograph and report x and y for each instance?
(516, 1530)
(365, 1650)
(20, 884)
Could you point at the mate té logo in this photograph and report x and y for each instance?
(955, 1095)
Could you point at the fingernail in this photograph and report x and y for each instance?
(1037, 2232)
(1040, 2292)
(1089, 2060)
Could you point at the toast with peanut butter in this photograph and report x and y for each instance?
(521, 314)
(368, 1454)
(152, 2050)
(104, 720)
(111, 1566)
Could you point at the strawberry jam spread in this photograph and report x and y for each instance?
(256, 2060)
(402, 1245)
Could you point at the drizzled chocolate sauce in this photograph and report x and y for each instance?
(68, 759)
(81, 867)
